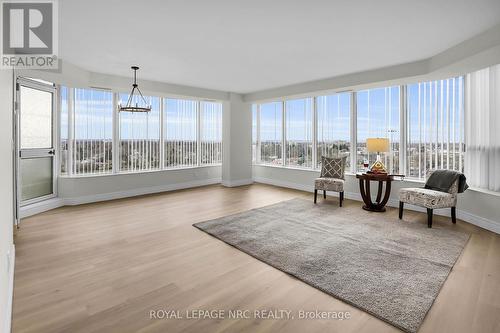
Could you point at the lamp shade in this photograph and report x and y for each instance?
(377, 145)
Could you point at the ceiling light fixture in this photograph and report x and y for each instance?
(131, 106)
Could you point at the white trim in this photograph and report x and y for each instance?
(137, 191)
(11, 255)
(40, 207)
(235, 183)
(92, 175)
(47, 205)
(461, 214)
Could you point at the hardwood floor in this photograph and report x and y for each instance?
(103, 267)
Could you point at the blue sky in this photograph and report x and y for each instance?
(378, 114)
(94, 114)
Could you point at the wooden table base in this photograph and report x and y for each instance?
(364, 188)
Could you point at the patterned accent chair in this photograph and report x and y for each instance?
(430, 199)
(331, 178)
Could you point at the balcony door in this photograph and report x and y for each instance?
(36, 165)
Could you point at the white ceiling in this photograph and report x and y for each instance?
(252, 45)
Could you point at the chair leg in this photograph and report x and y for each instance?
(341, 198)
(401, 205)
(324, 194)
(315, 195)
(454, 214)
(429, 217)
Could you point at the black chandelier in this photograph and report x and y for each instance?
(130, 106)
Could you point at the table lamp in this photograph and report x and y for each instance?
(377, 145)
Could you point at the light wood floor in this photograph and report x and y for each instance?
(102, 267)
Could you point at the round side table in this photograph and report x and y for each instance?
(364, 188)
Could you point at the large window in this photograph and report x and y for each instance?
(140, 137)
(271, 138)
(333, 126)
(299, 129)
(98, 139)
(435, 126)
(211, 133)
(378, 117)
(180, 132)
(424, 123)
(92, 144)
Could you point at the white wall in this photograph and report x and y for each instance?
(478, 52)
(78, 190)
(74, 76)
(6, 200)
(237, 142)
(473, 206)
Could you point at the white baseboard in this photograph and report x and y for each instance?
(461, 214)
(46, 205)
(235, 183)
(137, 191)
(40, 207)
(7, 321)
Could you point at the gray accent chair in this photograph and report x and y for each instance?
(430, 200)
(331, 178)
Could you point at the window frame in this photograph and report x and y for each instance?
(403, 125)
(116, 133)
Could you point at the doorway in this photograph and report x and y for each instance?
(35, 141)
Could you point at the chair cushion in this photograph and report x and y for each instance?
(333, 167)
(329, 184)
(427, 198)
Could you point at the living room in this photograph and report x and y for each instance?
(286, 166)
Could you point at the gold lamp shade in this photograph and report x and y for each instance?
(377, 145)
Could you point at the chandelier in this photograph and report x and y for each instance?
(131, 106)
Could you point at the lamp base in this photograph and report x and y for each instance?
(378, 166)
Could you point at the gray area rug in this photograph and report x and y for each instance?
(389, 268)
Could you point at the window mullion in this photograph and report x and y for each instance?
(283, 133)
(314, 134)
(71, 131)
(198, 133)
(403, 129)
(162, 139)
(257, 144)
(354, 133)
(116, 136)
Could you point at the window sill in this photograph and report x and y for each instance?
(351, 174)
(138, 172)
(285, 167)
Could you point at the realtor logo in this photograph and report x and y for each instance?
(29, 34)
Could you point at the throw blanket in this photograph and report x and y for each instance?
(442, 180)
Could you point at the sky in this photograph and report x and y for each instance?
(94, 118)
(378, 114)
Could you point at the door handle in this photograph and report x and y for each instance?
(52, 152)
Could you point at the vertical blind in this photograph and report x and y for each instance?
(92, 146)
(180, 125)
(299, 121)
(271, 130)
(435, 126)
(482, 117)
(254, 133)
(176, 133)
(64, 132)
(424, 119)
(333, 126)
(211, 132)
(140, 136)
(378, 112)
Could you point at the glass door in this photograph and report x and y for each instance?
(35, 141)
